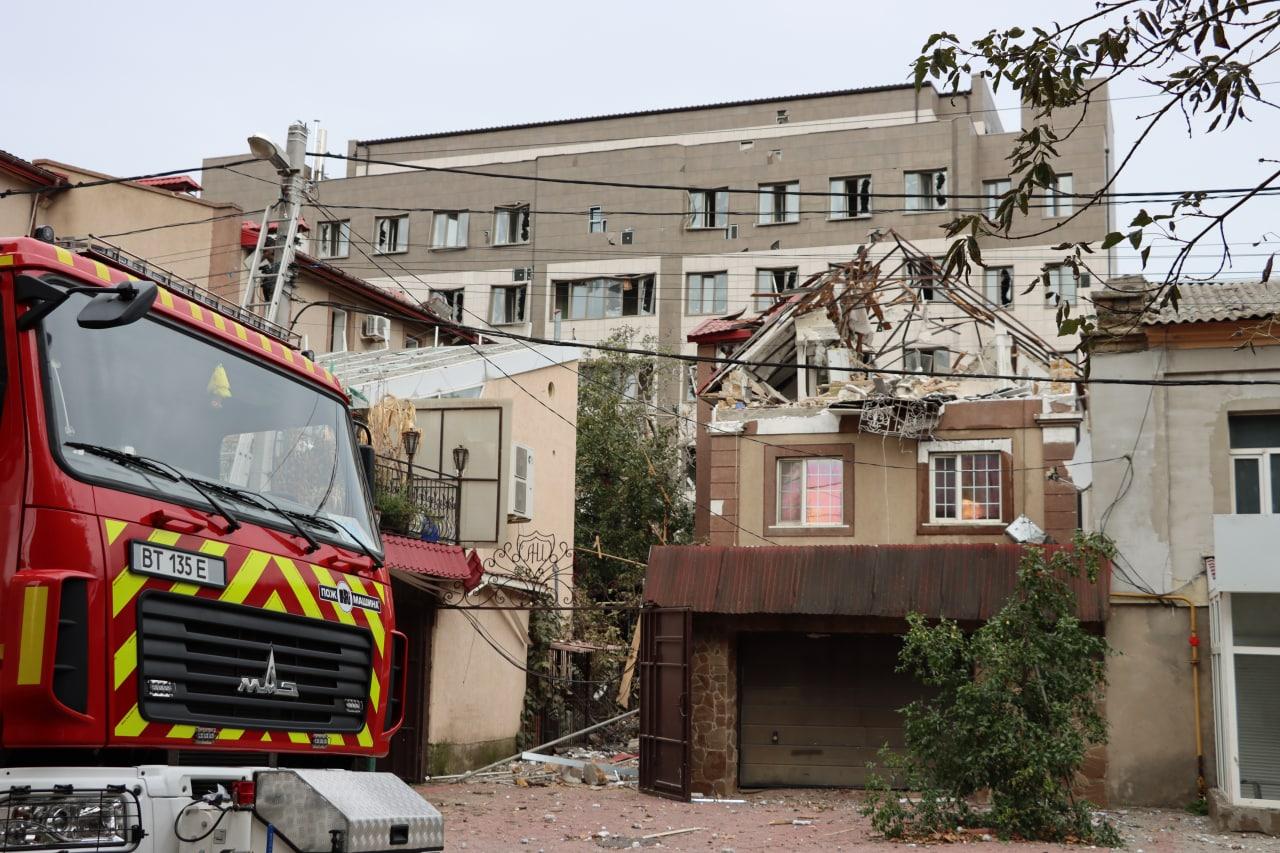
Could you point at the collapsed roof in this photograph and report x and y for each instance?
(867, 335)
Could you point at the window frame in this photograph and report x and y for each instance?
(911, 199)
(1057, 201)
(449, 294)
(840, 198)
(991, 198)
(1053, 295)
(596, 217)
(714, 219)
(989, 292)
(770, 195)
(334, 314)
(926, 522)
(401, 233)
(463, 227)
(514, 211)
(773, 454)
(1266, 495)
(688, 293)
(344, 239)
(763, 302)
(567, 286)
(500, 292)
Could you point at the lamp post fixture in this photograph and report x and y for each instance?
(410, 438)
(460, 456)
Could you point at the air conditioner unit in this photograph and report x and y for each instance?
(522, 274)
(731, 233)
(375, 328)
(521, 484)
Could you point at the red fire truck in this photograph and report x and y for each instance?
(198, 647)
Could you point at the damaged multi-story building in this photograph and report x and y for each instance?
(838, 491)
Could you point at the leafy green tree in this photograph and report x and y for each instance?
(631, 471)
(1198, 58)
(1014, 710)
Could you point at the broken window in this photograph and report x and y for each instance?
(999, 282)
(782, 117)
(1058, 198)
(966, 487)
(337, 330)
(506, 305)
(391, 234)
(992, 192)
(1064, 285)
(1255, 463)
(925, 276)
(810, 492)
(511, 225)
(708, 293)
(708, 208)
(595, 220)
(449, 230)
(774, 281)
(335, 239)
(605, 298)
(926, 190)
(927, 359)
(851, 197)
(448, 303)
(779, 203)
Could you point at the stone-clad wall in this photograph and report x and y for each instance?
(714, 707)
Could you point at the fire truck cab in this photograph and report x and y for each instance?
(198, 645)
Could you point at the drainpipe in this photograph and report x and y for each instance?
(1194, 641)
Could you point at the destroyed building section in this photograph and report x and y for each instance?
(861, 337)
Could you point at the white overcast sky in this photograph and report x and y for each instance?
(131, 87)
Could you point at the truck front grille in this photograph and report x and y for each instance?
(195, 655)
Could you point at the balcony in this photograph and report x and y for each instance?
(417, 502)
(1243, 549)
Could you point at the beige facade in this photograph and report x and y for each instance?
(580, 231)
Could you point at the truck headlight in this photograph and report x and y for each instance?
(42, 819)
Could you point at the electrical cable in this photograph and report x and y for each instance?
(100, 182)
(222, 812)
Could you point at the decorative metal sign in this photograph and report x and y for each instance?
(537, 567)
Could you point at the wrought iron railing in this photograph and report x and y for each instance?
(418, 502)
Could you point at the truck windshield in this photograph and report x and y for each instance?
(217, 416)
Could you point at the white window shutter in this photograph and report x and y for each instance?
(697, 212)
(793, 203)
(839, 201)
(463, 219)
(722, 209)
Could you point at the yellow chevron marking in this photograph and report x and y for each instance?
(64, 256)
(126, 659)
(114, 529)
(328, 377)
(364, 738)
(322, 575)
(166, 298)
(240, 331)
(246, 577)
(299, 737)
(375, 690)
(131, 724)
(219, 323)
(274, 603)
(6, 260)
(164, 537)
(196, 313)
(103, 272)
(374, 620)
(301, 591)
(230, 734)
(184, 588)
(182, 732)
(288, 354)
(265, 341)
(266, 738)
(214, 547)
(336, 740)
(35, 607)
(309, 365)
(124, 588)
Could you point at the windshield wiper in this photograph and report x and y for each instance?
(157, 466)
(334, 524)
(258, 499)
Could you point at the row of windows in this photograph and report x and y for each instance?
(965, 488)
(851, 197)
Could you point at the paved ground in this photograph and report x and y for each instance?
(490, 816)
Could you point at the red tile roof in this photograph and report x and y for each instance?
(450, 562)
(958, 581)
(173, 183)
(28, 171)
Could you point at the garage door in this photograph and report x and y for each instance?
(814, 709)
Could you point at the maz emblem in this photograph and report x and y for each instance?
(268, 686)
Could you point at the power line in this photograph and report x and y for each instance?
(100, 182)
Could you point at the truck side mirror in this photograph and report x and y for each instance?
(367, 460)
(130, 303)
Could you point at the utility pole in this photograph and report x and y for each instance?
(269, 270)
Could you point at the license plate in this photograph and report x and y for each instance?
(189, 566)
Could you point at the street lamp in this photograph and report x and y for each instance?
(261, 146)
(460, 456)
(409, 438)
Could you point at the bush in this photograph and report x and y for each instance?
(1015, 710)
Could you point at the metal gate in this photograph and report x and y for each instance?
(665, 646)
